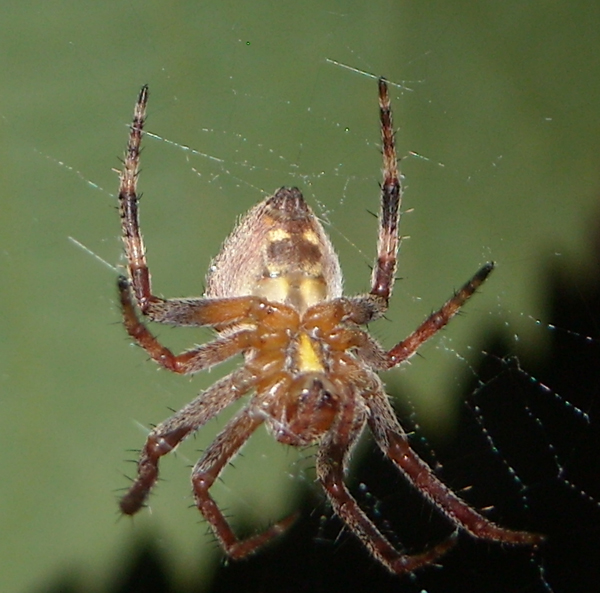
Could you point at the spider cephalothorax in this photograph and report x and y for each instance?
(274, 294)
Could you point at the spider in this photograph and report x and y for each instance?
(274, 295)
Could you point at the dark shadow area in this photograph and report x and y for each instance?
(147, 573)
(535, 433)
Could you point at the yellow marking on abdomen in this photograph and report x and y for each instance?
(278, 235)
(309, 361)
(311, 237)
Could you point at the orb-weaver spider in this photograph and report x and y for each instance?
(274, 295)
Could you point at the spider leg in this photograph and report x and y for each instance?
(167, 435)
(382, 280)
(175, 311)
(189, 362)
(393, 441)
(208, 469)
(438, 319)
(192, 312)
(128, 207)
(332, 463)
(135, 249)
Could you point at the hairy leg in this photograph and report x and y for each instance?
(208, 469)
(437, 320)
(331, 468)
(384, 271)
(191, 361)
(393, 441)
(167, 435)
(194, 311)
(128, 207)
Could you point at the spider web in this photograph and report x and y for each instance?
(512, 409)
(258, 105)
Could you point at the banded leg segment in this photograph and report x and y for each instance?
(437, 320)
(174, 311)
(208, 469)
(332, 462)
(384, 271)
(189, 362)
(128, 207)
(393, 441)
(167, 435)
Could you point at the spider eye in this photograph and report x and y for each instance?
(317, 389)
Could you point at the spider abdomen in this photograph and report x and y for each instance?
(279, 251)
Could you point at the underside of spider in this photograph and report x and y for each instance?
(274, 295)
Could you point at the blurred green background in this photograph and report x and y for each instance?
(501, 99)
